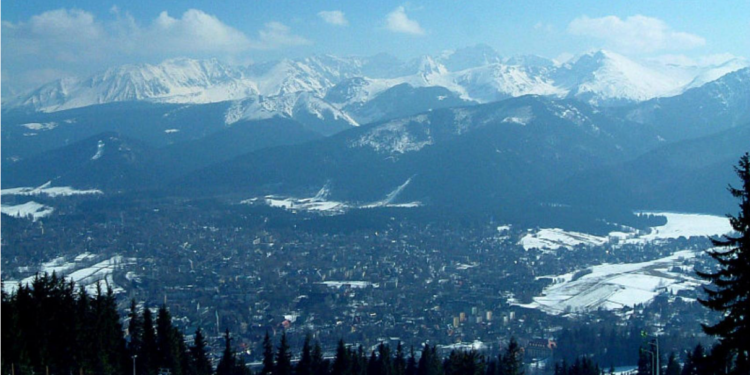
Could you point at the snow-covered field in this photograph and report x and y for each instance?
(678, 225)
(49, 190)
(320, 203)
(614, 286)
(79, 270)
(31, 209)
(555, 238)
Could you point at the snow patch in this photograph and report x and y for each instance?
(349, 284)
(556, 238)
(29, 210)
(678, 225)
(48, 190)
(99, 151)
(40, 126)
(395, 137)
(388, 201)
(87, 276)
(614, 286)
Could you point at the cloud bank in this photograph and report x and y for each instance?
(398, 22)
(635, 34)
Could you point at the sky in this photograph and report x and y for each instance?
(47, 40)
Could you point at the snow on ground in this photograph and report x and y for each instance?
(388, 201)
(476, 345)
(40, 126)
(77, 271)
(678, 225)
(99, 150)
(48, 190)
(351, 284)
(614, 286)
(319, 203)
(555, 238)
(32, 210)
(686, 225)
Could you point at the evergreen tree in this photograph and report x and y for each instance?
(359, 362)
(384, 359)
(373, 366)
(283, 358)
(318, 363)
(730, 291)
(147, 356)
(411, 363)
(199, 354)
(673, 367)
(511, 362)
(695, 364)
(168, 339)
(267, 355)
(429, 363)
(341, 361)
(304, 366)
(645, 362)
(399, 363)
(135, 335)
(227, 362)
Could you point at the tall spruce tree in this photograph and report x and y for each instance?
(319, 364)
(304, 366)
(199, 354)
(268, 364)
(730, 290)
(227, 361)
(411, 363)
(511, 362)
(148, 356)
(135, 331)
(283, 357)
(168, 342)
(673, 367)
(341, 361)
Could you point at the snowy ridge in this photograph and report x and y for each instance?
(714, 73)
(395, 137)
(326, 85)
(602, 76)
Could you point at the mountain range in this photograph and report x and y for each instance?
(465, 130)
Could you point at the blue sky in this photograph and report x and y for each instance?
(42, 40)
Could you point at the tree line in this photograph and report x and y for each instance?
(53, 327)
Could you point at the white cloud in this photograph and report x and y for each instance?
(636, 34)
(334, 17)
(277, 35)
(194, 32)
(398, 22)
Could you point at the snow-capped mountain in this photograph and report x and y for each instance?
(173, 81)
(333, 88)
(604, 77)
